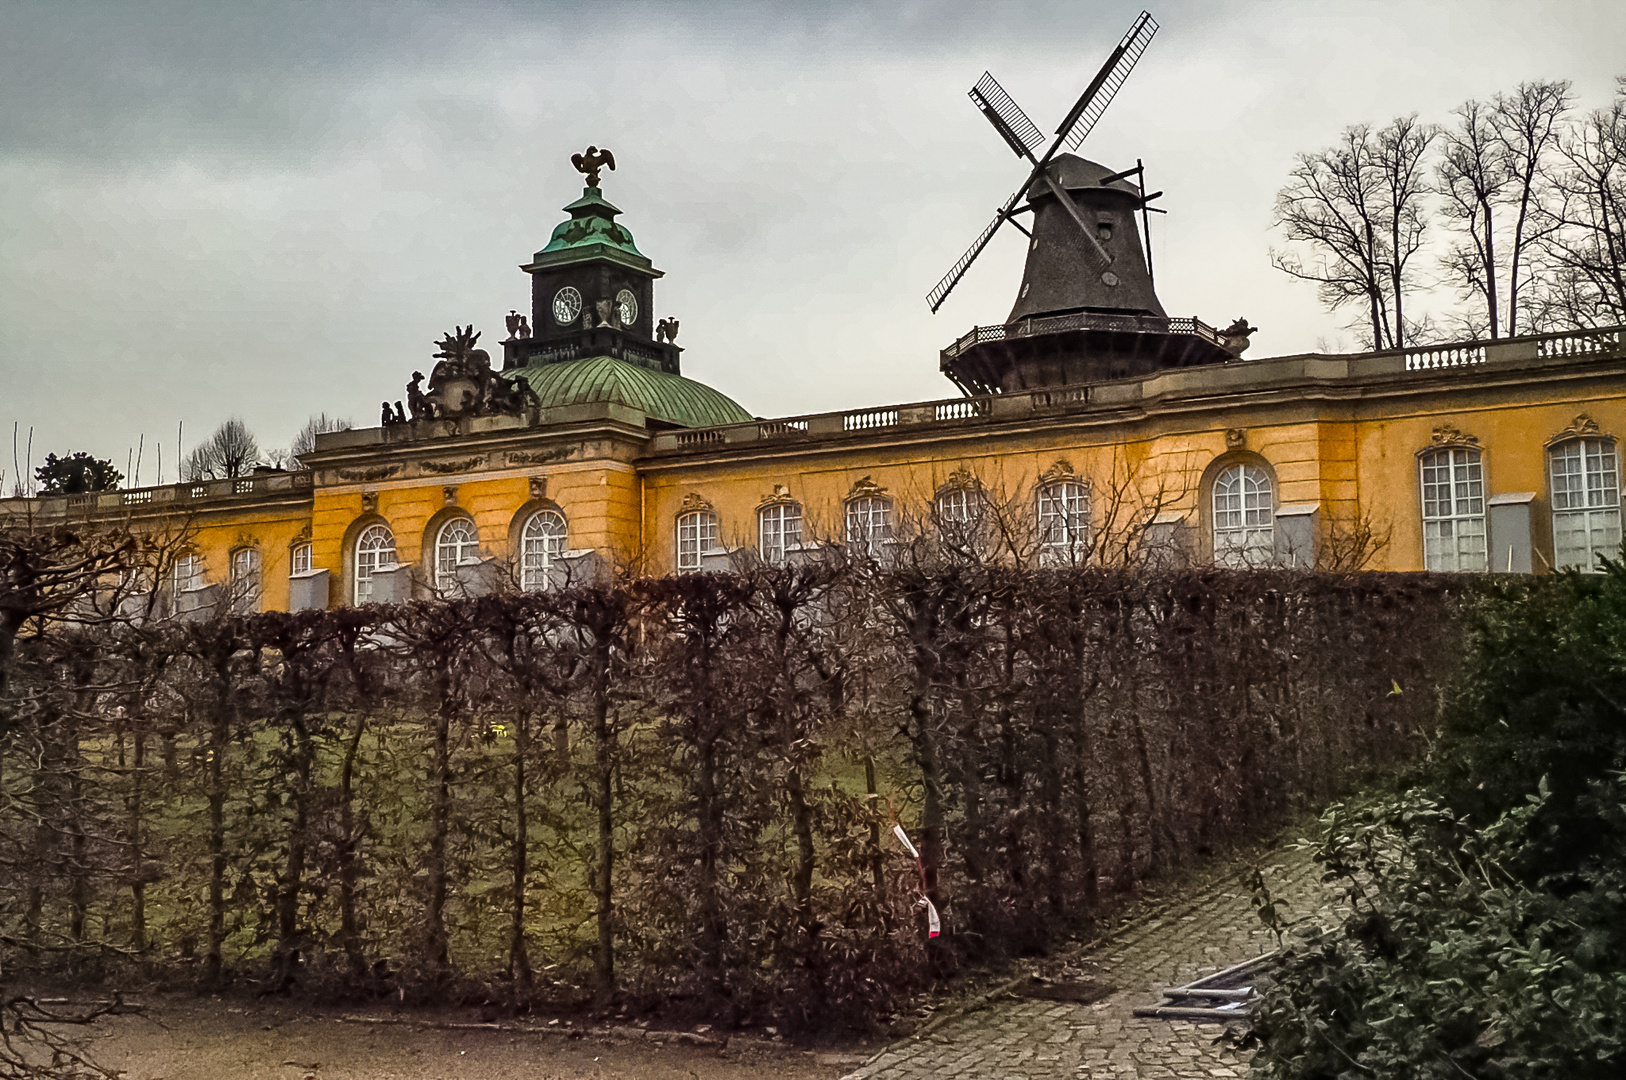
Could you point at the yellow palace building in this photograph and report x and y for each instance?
(1090, 423)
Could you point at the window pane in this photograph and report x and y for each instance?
(696, 536)
(375, 549)
(1586, 502)
(542, 542)
(1064, 522)
(1244, 517)
(1453, 510)
(780, 530)
(458, 543)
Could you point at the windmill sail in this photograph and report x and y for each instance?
(936, 297)
(1094, 101)
(1013, 125)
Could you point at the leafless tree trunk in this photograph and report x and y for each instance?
(1587, 244)
(1528, 126)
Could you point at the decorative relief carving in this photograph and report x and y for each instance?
(1236, 438)
(1451, 435)
(369, 502)
(694, 501)
(1061, 470)
(539, 487)
(538, 457)
(781, 496)
(450, 494)
(463, 465)
(961, 480)
(1583, 425)
(368, 475)
(866, 488)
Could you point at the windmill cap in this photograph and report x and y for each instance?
(1074, 173)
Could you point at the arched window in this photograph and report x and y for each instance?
(375, 550)
(779, 528)
(299, 559)
(541, 543)
(245, 581)
(1064, 523)
(1244, 509)
(1453, 509)
(1586, 502)
(457, 542)
(869, 523)
(696, 537)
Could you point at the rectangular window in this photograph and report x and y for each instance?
(1453, 510)
(781, 531)
(301, 561)
(188, 573)
(696, 537)
(1064, 523)
(869, 523)
(245, 581)
(1586, 503)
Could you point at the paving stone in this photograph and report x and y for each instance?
(1210, 927)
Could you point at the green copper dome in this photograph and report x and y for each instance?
(670, 398)
(591, 232)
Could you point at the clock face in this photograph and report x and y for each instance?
(567, 306)
(626, 305)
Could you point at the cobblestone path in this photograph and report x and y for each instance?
(1208, 926)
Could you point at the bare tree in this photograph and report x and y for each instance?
(231, 451)
(1358, 206)
(1528, 125)
(1586, 245)
(305, 441)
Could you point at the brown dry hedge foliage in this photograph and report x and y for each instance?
(680, 790)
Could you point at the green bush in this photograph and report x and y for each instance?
(1487, 934)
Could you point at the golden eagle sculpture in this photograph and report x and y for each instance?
(590, 163)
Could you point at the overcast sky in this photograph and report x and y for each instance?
(271, 209)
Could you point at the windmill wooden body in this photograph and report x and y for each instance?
(1087, 309)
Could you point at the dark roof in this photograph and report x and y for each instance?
(669, 398)
(1074, 173)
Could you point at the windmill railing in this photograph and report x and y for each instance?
(1061, 324)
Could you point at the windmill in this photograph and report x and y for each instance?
(1022, 135)
(1086, 311)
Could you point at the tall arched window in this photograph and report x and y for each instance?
(1244, 511)
(779, 528)
(541, 543)
(1064, 523)
(457, 542)
(1453, 509)
(869, 523)
(1586, 502)
(375, 549)
(696, 537)
(245, 581)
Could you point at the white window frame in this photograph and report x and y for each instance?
(1244, 523)
(457, 542)
(869, 523)
(375, 550)
(1585, 476)
(779, 529)
(299, 559)
(188, 574)
(541, 544)
(696, 538)
(1063, 522)
(1451, 484)
(245, 581)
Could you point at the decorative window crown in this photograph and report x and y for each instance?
(781, 496)
(961, 480)
(1583, 426)
(1060, 471)
(694, 501)
(1451, 435)
(866, 489)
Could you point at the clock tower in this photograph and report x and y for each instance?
(592, 293)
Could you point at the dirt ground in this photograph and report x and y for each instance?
(192, 1039)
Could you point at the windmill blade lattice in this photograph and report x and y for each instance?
(936, 297)
(1094, 101)
(1007, 116)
